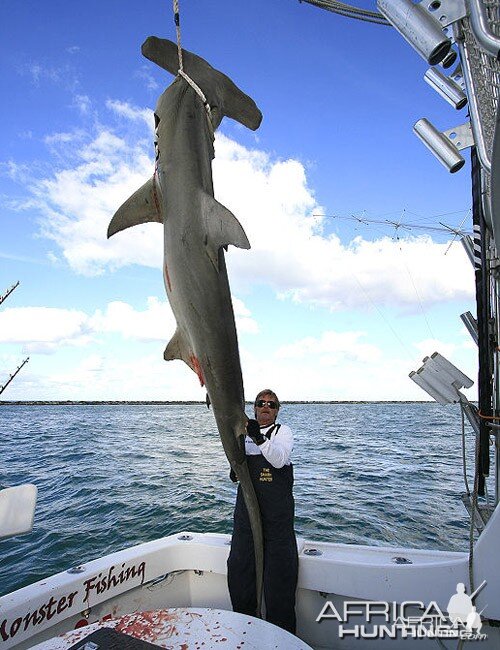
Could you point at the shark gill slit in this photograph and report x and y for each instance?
(155, 193)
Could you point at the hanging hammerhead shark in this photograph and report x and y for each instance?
(197, 229)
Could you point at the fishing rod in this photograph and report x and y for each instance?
(8, 292)
(16, 371)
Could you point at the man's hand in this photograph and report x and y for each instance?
(253, 430)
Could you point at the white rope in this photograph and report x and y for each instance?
(185, 76)
(201, 95)
(177, 22)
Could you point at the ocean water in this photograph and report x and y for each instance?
(110, 476)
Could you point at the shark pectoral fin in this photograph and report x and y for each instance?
(178, 348)
(142, 207)
(222, 228)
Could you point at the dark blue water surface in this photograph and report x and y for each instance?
(110, 476)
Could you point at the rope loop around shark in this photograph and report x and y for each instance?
(196, 230)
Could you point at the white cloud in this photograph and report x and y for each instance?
(130, 112)
(272, 199)
(18, 172)
(427, 346)
(42, 329)
(330, 368)
(291, 253)
(242, 315)
(43, 72)
(82, 103)
(103, 376)
(47, 329)
(63, 138)
(145, 74)
(77, 204)
(332, 348)
(156, 323)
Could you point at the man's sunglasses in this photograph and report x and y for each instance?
(262, 402)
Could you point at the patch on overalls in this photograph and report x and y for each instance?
(266, 475)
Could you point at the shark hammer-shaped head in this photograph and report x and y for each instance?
(223, 96)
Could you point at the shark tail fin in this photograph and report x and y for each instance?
(222, 228)
(142, 207)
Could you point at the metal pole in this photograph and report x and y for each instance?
(8, 292)
(483, 299)
(2, 388)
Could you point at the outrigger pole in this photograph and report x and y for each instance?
(8, 292)
(2, 298)
(2, 388)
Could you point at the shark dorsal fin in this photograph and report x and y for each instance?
(142, 207)
(222, 228)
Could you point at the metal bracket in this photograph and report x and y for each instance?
(461, 136)
(458, 77)
(447, 87)
(446, 11)
(481, 514)
(471, 325)
(493, 259)
(470, 412)
(445, 145)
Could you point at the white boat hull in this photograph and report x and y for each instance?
(189, 570)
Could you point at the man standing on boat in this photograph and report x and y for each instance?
(268, 446)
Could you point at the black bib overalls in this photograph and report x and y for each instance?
(273, 488)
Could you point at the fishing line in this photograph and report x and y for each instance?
(367, 296)
(415, 287)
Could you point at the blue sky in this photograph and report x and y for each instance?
(326, 307)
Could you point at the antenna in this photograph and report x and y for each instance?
(443, 228)
(457, 232)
